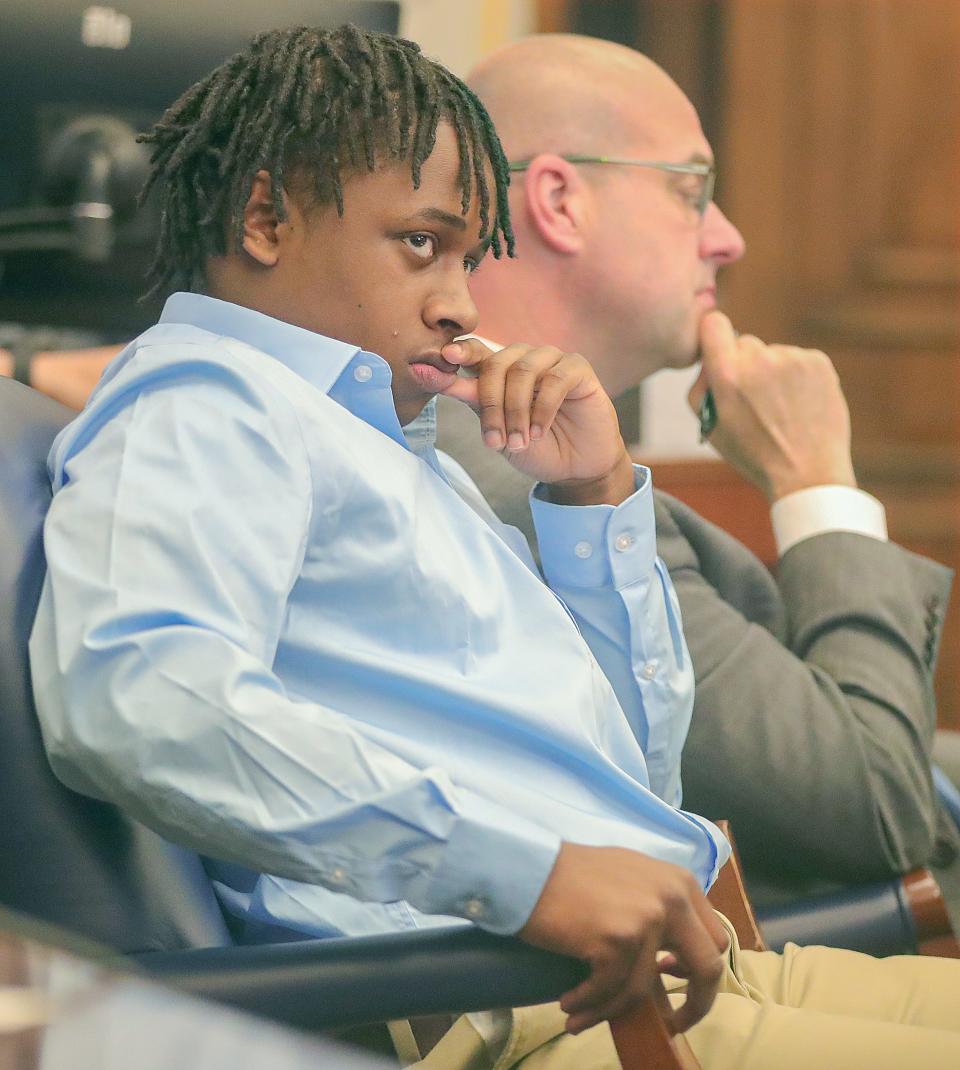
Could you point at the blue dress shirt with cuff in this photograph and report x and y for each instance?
(272, 630)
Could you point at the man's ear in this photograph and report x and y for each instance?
(260, 222)
(555, 198)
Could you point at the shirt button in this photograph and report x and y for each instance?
(649, 671)
(583, 549)
(339, 875)
(623, 542)
(473, 908)
(363, 373)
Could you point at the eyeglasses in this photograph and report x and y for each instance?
(706, 171)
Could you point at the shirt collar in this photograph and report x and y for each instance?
(357, 380)
(321, 361)
(314, 357)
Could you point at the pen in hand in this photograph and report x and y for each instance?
(708, 415)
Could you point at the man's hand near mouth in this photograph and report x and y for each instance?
(547, 413)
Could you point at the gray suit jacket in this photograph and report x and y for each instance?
(814, 715)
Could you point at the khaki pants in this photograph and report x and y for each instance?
(801, 1010)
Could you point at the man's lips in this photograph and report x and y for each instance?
(432, 372)
(434, 360)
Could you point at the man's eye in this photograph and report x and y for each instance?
(423, 246)
(691, 190)
(470, 265)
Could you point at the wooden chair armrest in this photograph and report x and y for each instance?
(920, 894)
(729, 896)
(935, 935)
(644, 1041)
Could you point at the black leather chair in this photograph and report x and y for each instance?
(880, 919)
(86, 867)
(71, 860)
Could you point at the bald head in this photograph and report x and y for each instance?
(565, 93)
(617, 262)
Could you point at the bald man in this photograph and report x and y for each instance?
(814, 713)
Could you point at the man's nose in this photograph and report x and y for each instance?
(452, 309)
(720, 241)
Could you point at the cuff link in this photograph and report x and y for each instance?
(474, 908)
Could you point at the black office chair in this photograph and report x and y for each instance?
(87, 868)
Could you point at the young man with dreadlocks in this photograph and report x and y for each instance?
(272, 629)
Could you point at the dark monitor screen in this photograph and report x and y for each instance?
(129, 59)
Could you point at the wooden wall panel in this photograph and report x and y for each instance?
(552, 16)
(841, 155)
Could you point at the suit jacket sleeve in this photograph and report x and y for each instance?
(814, 713)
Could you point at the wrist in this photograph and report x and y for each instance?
(611, 488)
(777, 489)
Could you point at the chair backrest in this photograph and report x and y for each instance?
(73, 861)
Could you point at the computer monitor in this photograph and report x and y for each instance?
(76, 79)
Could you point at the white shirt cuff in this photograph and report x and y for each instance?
(817, 510)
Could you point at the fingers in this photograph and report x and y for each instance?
(701, 992)
(614, 988)
(469, 353)
(717, 337)
(523, 380)
(517, 391)
(707, 918)
(486, 393)
(670, 964)
(555, 385)
(661, 1001)
(630, 971)
(718, 342)
(698, 391)
(700, 946)
(617, 986)
(618, 910)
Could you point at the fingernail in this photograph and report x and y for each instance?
(535, 430)
(493, 439)
(453, 350)
(515, 440)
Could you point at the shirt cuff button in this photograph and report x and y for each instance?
(474, 908)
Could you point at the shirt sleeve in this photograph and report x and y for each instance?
(601, 560)
(817, 510)
(172, 546)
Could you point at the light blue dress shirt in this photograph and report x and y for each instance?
(272, 630)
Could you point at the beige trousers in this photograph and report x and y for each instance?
(801, 1010)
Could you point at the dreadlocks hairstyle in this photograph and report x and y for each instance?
(308, 106)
